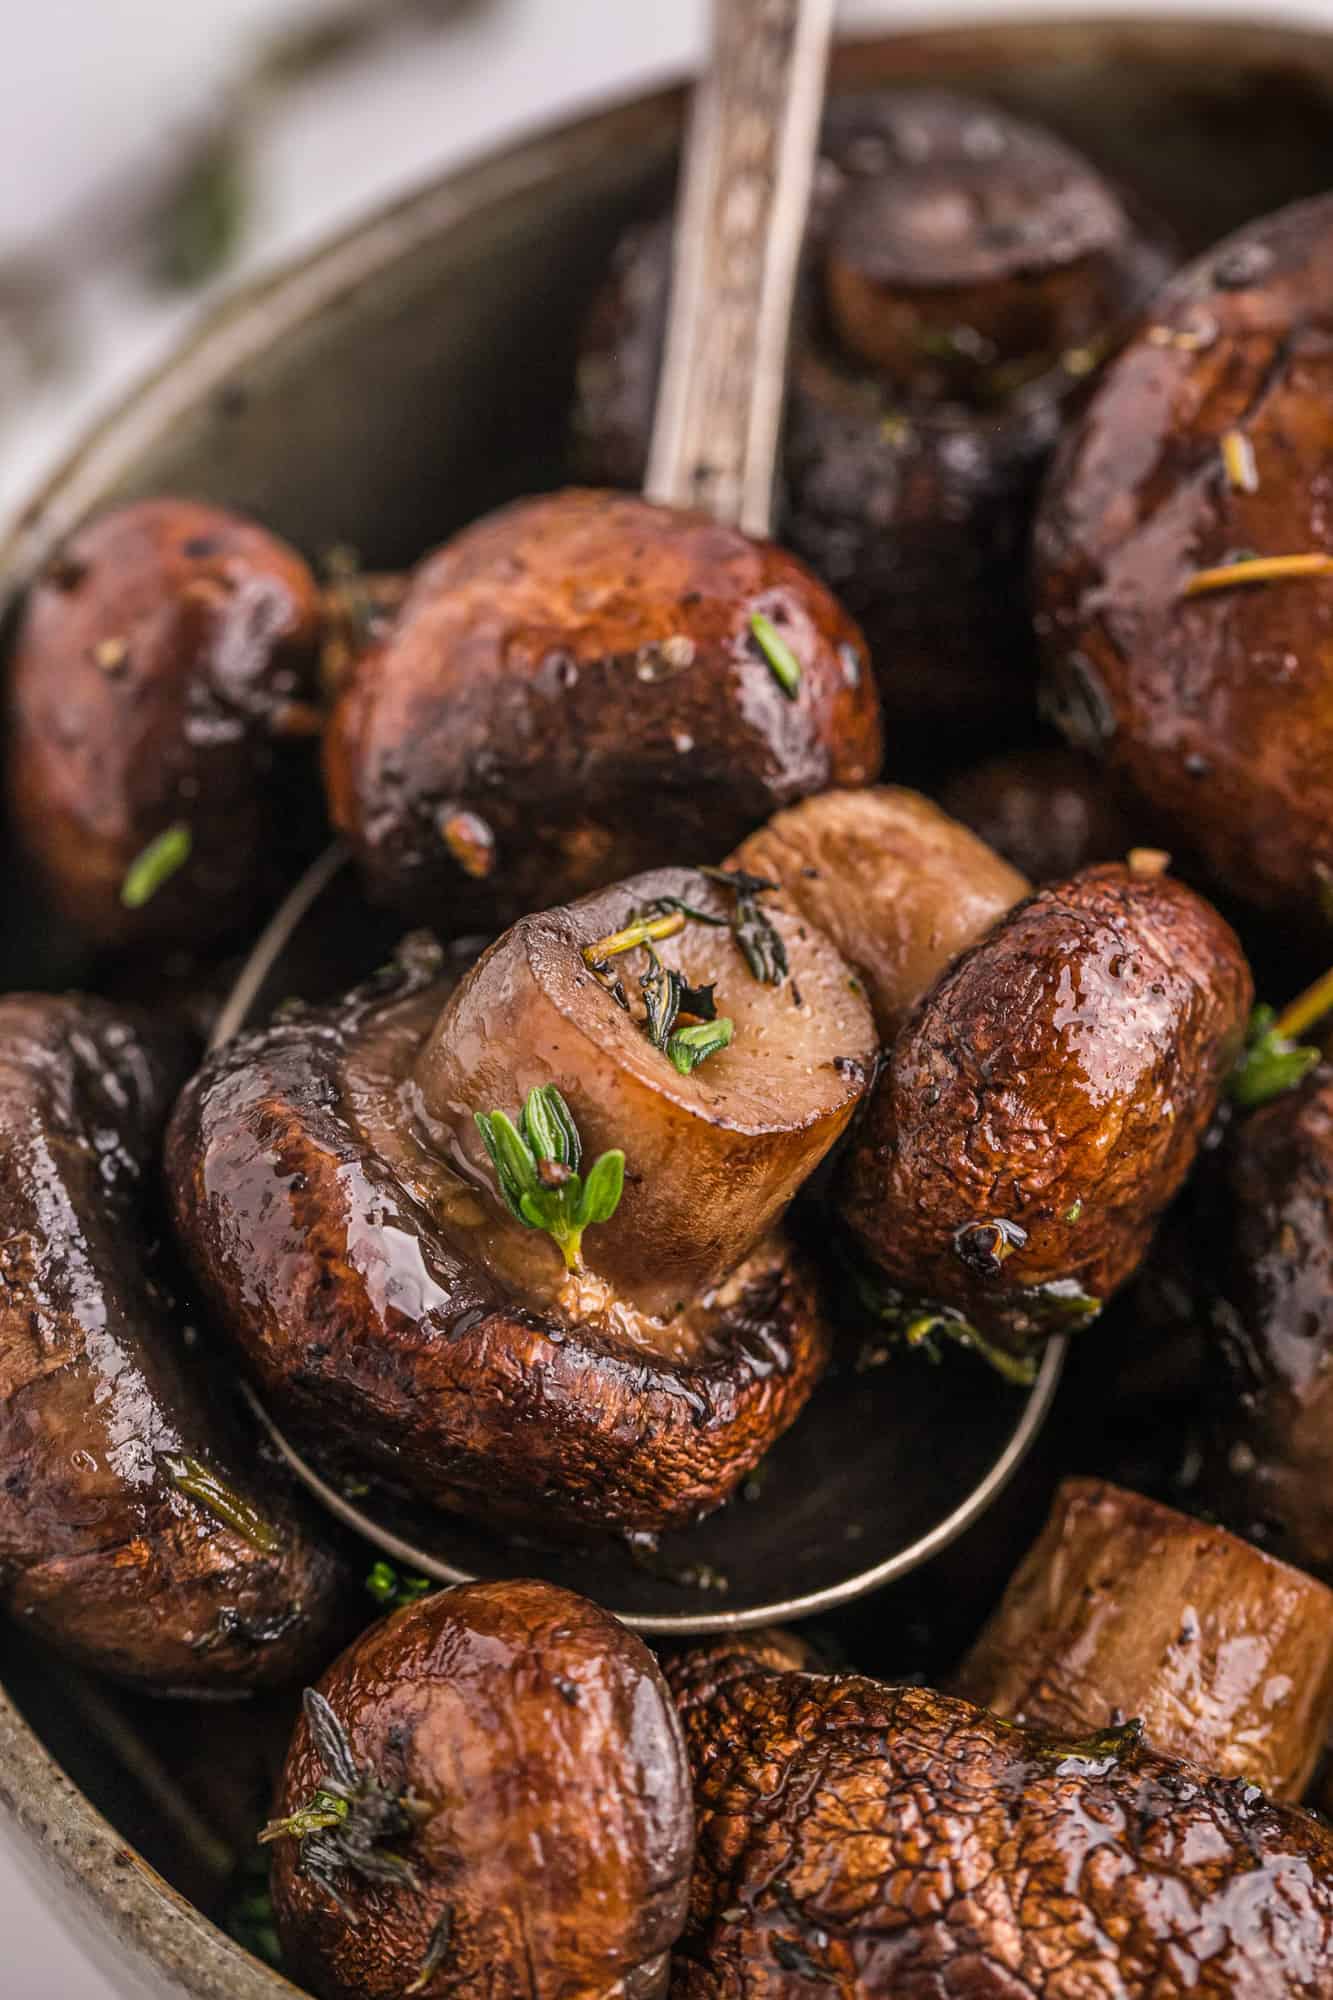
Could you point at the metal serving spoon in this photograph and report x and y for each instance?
(888, 1464)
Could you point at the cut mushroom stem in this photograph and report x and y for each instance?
(1125, 1607)
(704, 1132)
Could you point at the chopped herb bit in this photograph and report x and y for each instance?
(689, 1047)
(642, 931)
(1258, 569)
(786, 667)
(193, 1478)
(1239, 460)
(1272, 1061)
(156, 865)
(566, 1203)
(439, 1948)
(1073, 1212)
(922, 1325)
(760, 943)
(343, 1826)
(661, 988)
(391, 1590)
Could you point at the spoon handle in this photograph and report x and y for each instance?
(740, 219)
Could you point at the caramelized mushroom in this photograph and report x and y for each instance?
(335, 1197)
(1184, 564)
(133, 1533)
(1272, 1309)
(1046, 1102)
(512, 1808)
(583, 685)
(890, 1841)
(967, 272)
(899, 887)
(160, 701)
(1048, 811)
(1124, 1607)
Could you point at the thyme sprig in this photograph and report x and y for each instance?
(344, 1825)
(759, 941)
(537, 1167)
(1274, 1059)
(1250, 569)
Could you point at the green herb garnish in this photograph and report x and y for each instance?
(391, 1590)
(536, 1165)
(689, 1047)
(437, 1950)
(784, 663)
(760, 943)
(193, 1478)
(156, 865)
(1270, 1063)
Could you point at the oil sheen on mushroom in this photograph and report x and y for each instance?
(516, 1753)
(135, 1531)
(1046, 1101)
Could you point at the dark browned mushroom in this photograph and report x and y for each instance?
(1046, 1101)
(583, 685)
(899, 887)
(133, 1533)
(967, 272)
(1125, 1608)
(393, 1304)
(1185, 566)
(161, 702)
(890, 1842)
(487, 1795)
(1049, 811)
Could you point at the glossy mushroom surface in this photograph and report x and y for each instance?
(574, 690)
(1049, 811)
(894, 1842)
(517, 1750)
(899, 887)
(1046, 1101)
(339, 1248)
(162, 683)
(1205, 448)
(1124, 1607)
(136, 1531)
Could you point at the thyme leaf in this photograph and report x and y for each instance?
(438, 1949)
(156, 865)
(760, 943)
(689, 1047)
(536, 1167)
(392, 1590)
(1270, 1063)
(199, 1482)
(786, 668)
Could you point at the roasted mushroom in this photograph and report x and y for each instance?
(1270, 1282)
(891, 1842)
(487, 1795)
(1125, 1608)
(899, 887)
(160, 704)
(1045, 1103)
(966, 273)
(133, 1533)
(406, 1296)
(583, 685)
(1185, 567)
(1049, 811)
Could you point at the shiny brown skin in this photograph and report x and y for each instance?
(1124, 1607)
(1049, 811)
(164, 672)
(544, 1737)
(314, 1226)
(913, 505)
(1273, 1315)
(100, 1551)
(577, 673)
(1218, 709)
(1057, 1081)
(899, 886)
(882, 1843)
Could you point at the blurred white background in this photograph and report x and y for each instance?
(101, 100)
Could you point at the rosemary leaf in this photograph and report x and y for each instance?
(193, 1478)
(786, 668)
(689, 1047)
(156, 865)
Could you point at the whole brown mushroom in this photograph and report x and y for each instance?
(161, 702)
(1185, 568)
(583, 685)
(404, 1301)
(1045, 1103)
(487, 1798)
(891, 1842)
(135, 1531)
